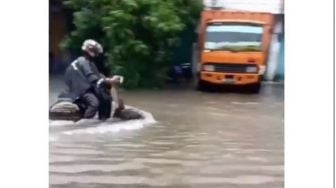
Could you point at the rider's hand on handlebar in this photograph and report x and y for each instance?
(115, 80)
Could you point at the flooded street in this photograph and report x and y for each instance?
(200, 140)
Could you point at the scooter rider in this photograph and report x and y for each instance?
(86, 85)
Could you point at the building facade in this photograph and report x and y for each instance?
(59, 27)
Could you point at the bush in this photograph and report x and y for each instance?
(139, 36)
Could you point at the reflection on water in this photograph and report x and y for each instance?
(200, 140)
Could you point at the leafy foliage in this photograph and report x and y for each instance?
(138, 36)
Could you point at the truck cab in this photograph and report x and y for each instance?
(233, 48)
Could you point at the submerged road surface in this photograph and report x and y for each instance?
(200, 140)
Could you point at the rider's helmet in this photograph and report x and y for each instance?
(92, 47)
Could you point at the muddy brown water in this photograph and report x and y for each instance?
(220, 140)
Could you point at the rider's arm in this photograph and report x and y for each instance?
(88, 71)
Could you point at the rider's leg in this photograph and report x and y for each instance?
(105, 101)
(105, 108)
(92, 103)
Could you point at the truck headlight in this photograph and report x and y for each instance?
(209, 68)
(251, 69)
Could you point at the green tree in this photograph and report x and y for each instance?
(139, 36)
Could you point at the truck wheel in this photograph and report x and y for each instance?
(254, 88)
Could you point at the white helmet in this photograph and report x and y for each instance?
(92, 47)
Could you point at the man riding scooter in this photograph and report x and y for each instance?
(87, 88)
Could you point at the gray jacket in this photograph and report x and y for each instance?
(80, 76)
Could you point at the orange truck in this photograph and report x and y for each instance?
(233, 48)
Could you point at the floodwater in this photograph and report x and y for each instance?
(219, 140)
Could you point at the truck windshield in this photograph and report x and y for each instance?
(233, 37)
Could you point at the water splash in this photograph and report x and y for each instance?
(114, 126)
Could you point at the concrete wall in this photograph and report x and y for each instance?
(275, 63)
(280, 74)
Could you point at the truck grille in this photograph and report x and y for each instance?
(231, 68)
